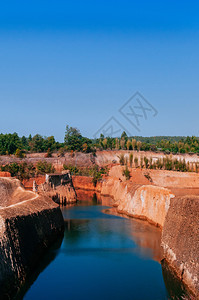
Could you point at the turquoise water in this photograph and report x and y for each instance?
(102, 256)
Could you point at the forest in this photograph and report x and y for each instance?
(12, 144)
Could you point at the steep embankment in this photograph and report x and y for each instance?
(180, 240)
(148, 192)
(137, 197)
(151, 195)
(59, 187)
(27, 229)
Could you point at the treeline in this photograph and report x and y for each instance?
(13, 144)
(74, 141)
(166, 144)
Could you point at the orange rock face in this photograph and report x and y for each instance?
(148, 202)
(148, 192)
(145, 202)
(28, 183)
(85, 183)
(5, 174)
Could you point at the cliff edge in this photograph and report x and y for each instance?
(180, 240)
(27, 228)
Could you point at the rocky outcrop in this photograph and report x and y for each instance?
(27, 229)
(59, 187)
(180, 240)
(146, 201)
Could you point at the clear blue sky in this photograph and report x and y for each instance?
(77, 62)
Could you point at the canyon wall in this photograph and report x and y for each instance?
(156, 196)
(27, 228)
(137, 197)
(180, 240)
(86, 183)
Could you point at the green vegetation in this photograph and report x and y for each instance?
(95, 172)
(121, 159)
(27, 170)
(131, 159)
(166, 163)
(13, 144)
(43, 167)
(74, 141)
(148, 177)
(126, 173)
(21, 171)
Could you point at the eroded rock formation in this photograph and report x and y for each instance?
(59, 187)
(28, 226)
(180, 240)
(144, 201)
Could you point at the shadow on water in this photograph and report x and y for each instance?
(45, 260)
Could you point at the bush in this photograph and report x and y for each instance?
(148, 177)
(122, 160)
(146, 161)
(136, 162)
(126, 173)
(131, 159)
(20, 171)
(19, 153)
(73, 169)
(43, 167)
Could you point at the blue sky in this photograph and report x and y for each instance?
(78, 62)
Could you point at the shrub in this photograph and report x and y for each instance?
(21, 171)
(146, 161)
(126, 173)
(136, 161)
(122, 160)
(73, 169)
(44, 167)
(131, 159)
(19, 153)
(148, 177)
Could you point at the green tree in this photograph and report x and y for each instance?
(73, 139)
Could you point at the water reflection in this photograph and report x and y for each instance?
(103, 256)
(146, 238)
(46, 259)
